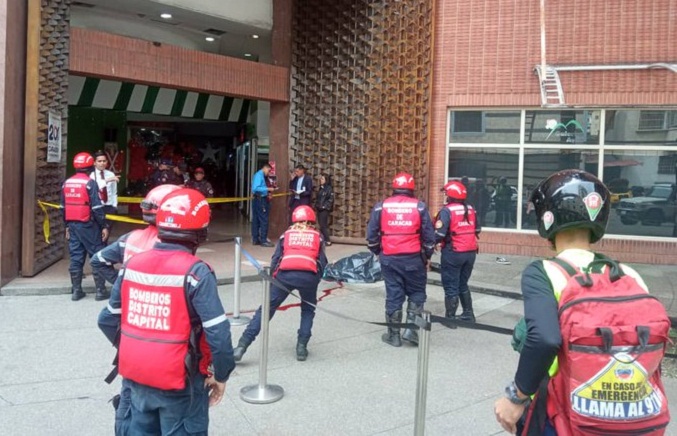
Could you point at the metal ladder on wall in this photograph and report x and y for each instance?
(552, 94)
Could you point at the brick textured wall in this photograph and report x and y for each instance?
(486, 50)
(624, 250)
(104, 55)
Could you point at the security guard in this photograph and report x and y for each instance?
(298, 263)
(200, 183)
(85, 224)
(401, 232)
(165, 300)
(134, 242)
(457, 229)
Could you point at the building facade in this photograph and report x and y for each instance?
(354, 88)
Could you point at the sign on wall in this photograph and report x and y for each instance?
(54, 138)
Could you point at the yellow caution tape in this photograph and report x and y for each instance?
(138, 200)
(46, 226)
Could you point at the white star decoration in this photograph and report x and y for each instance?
(209, 153)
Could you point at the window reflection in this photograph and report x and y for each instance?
(564, 126)
(485, 127)
(491, 179)
(541, 163)
(641, 127)
(643, 196)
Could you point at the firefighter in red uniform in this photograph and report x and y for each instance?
(164, 301)
(298, 263)
(85, 224)
(400, 230)
(134, 242)
(456, 229)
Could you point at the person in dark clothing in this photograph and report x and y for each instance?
(301, 187)
(298, 263)
(86, 229)
(401, 233)
(456, 228)
(572, 210)
(324, 205)
(480, 198)
(171, 304)
(503, 203)
(200, 183)
(164, 174)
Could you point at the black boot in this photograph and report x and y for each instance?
(409, 334)
(450, 305)
(393, 335)
(466, 303)
(241, 348)
(76, 288)
(100, 283)
(302, 349)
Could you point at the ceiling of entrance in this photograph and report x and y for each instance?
(186, 28)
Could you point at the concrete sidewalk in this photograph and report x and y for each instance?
(488, 276)
(53, 360)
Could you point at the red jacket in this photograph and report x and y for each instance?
(155, 319)
(301, 250)
(76, 198)
(462, 232)
(400, 226)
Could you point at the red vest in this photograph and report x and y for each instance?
(462, 232)
(301, 250)
(139, 241)
(155, 320)
(76, 198)
(400, 226)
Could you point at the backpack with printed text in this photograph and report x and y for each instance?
(614, 336)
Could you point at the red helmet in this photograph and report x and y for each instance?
(404, 181)
(150, 204)
(83, 160)
(183, 215)
(303, 213)
(456, 190)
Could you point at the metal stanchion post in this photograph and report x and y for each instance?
(236, 319)
(263, 393)
(423, 323)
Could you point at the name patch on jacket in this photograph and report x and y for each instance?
(149, 310)
(298, 239)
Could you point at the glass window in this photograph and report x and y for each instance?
(643, 200)
(491, 180)
(640, 127)
(488, 127)
(562, 127)
(541, 163)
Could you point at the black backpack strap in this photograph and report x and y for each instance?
(538, 412)
(566, 266)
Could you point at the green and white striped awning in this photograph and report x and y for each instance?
(131, 97)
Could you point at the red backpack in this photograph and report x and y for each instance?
(614, 336)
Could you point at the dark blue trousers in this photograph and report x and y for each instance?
(123, 414)
(170, 413)
(456, 271)
(405, 277)
(306, 282)
(260, 212)
(85, 240)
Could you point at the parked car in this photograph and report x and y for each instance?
(654, 207)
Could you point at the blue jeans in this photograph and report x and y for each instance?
(306, 282)
(456, 271)
(260, 211)
(85, 239)
(170, 413)
(405, 277)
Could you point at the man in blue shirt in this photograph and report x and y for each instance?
(261, 207)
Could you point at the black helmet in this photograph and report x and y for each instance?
(571, 199)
